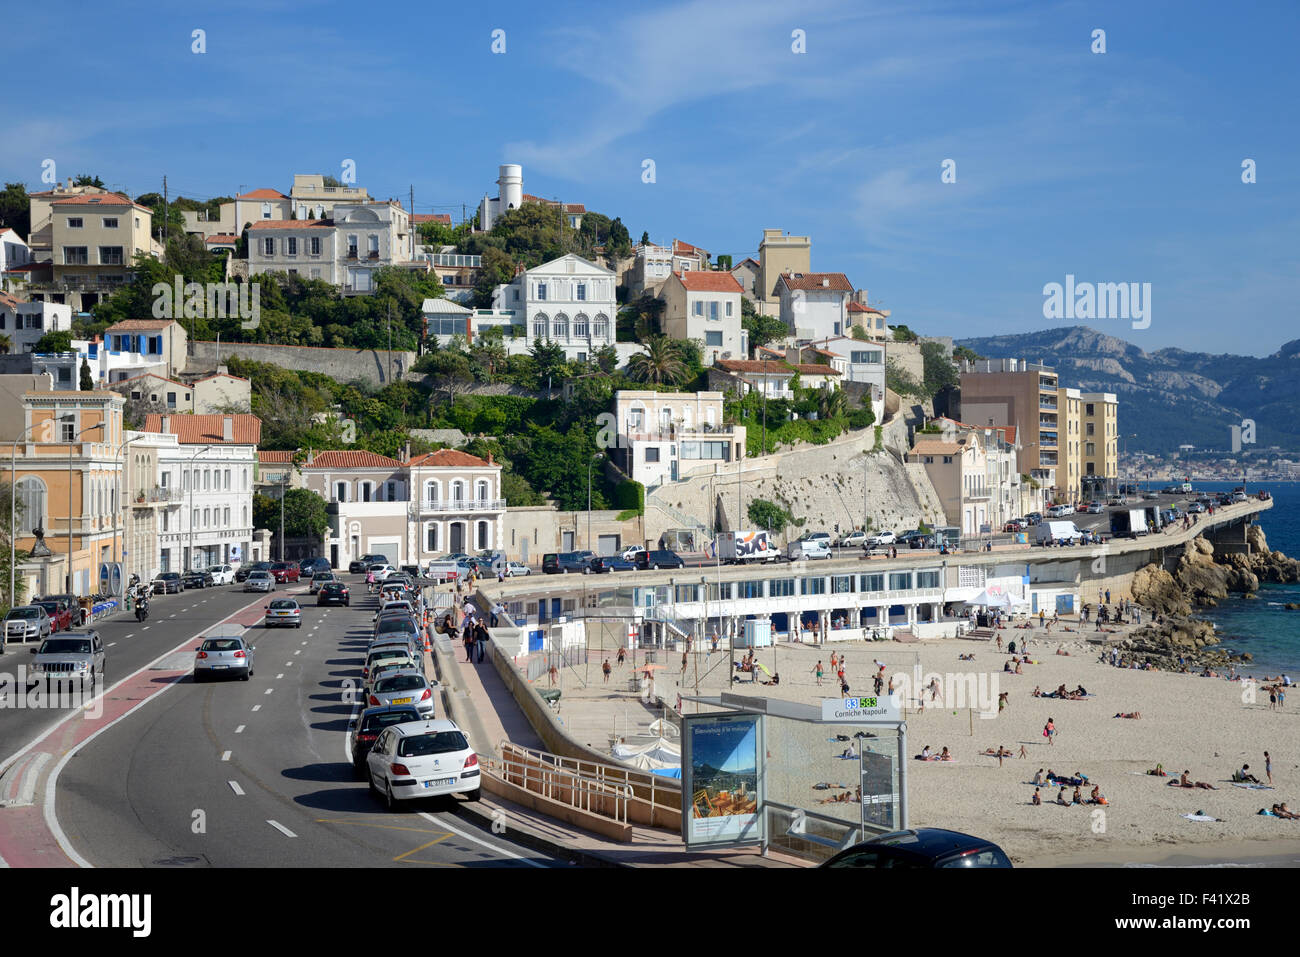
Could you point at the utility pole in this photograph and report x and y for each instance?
(284, 488)
(164, 213)
(390, 342)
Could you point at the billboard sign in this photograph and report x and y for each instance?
(722, 774)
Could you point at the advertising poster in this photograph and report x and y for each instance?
(721, 765)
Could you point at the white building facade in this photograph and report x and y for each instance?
(568, 301)
(815, 305)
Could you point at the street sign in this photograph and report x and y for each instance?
(868, 709)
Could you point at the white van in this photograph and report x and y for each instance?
(1051, 533)
(807, 548)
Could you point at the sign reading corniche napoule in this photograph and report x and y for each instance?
(867, 708)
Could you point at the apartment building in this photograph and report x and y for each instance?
(209, 394)
(26, 322)
(310, 198)
(1069, 418)
(212, 466)
(255, 206)
(871, 320)
(1025, 395)
(567, 301)
(344, 250)
(974, 501)
(653, 264)
(135, 346)
(305, 247)
(665, 436)
(149, 508)
(367, 498)
(95, 238)
(40, 238)
(1100, 443)
(705, 306)
(779, 253)
(746, 272)
(815, 305)
(457, 504)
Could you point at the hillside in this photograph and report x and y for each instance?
(1170, 396)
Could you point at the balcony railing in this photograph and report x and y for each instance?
(463, 505)
(157, 495)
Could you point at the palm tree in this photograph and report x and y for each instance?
(660, 363)
(832, 403)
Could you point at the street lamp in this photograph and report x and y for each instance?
(71, 442)
(13, 503)
(598, 455)
(117, 512)
(193, 482)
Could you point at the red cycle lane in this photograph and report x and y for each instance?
(29, 832)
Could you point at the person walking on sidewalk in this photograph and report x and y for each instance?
(553, 672)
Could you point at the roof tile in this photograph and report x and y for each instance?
(351, 459)
(449, 458)
(207, 429)
(810, 281)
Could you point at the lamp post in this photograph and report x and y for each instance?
(598, 455)
(284, 487)
(117, 512)
(189, 566)
(71, 443)
(13, 505)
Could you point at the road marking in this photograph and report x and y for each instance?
(298, 652)
(470, 837)
(112, 643)
(234, 786)
(240, 729)
(172, 616)
(436, 840)
(257, 707)
(132, 635)
(269, 690)
(281, 828)
(145, 628)
(277, 678)
(225, 756)
(288, 664)
(304, 642)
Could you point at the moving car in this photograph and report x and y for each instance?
(59, 612)
(381, 570)
(283, 612)
(74, 656)
(1094, 508)
(26, 622)
(516, 569)
(365, 561)
(223, 655)
(320, 580)
(659, 558)
(604, 564)
(285, 572)
(854, 539)
(198, 578)
(241, 575)
(168, 583)
(222, 574)
(807, 548)
(881, 538)
(1057, 533)
(260, 581)
(314, 566)
(1060, 511)
(422, 759)
(924, 847)
(403, 687)
(334, 593)
(368, 726)
(1015, 525)
(564, 563)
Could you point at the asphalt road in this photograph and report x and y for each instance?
(256, 773)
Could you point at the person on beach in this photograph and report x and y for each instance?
(1097, 796)
(1268, 767)
(999, 643)
(622, 656)
(1018, 671)
(818, 672)
(1244, 776)
(553, 672)
(1037, 799)
(944, 755)
(1023, 752)
(1003, 701)
(606, 669)
(844, 688)
(835, 663)
(1049, 732)
(1060, 797)
(1185, 782)
(1077, 798)
(925, 753)
(1039, 780)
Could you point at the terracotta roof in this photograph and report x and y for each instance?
(449, 458)
(826, 352)
(444, 218)
(859, 307)
(96, 199)
(756, 365)
(703, 280)
(10, 301)
(685, 248)
(351, 459)
(140, 325)
(31, 267)
(221, 375)
(568, 207)
(223, 238)
(275, 458)
(149, 375)
(806, 368)
(771, 352)
(293, 224)
(936, 447)
(747, 259)
(207, 429)
(263, 194)
(813, 280)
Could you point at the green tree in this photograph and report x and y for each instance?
(904, 334)
(549, 363)
(447, 370)
(660, 363)
(6, 344)
(488, 355)
(16, 209)
(860, 334)
(762, 329)
(498, 268)
(901, 382)
(832, 403)
(87, 383)
(85, 179)
(965, 354)
(767, 515)
(56, 341)
(305, 515)
(939, 372)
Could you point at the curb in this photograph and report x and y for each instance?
(475, 812)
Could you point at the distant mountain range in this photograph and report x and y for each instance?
(1170, 397)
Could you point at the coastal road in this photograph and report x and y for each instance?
(257, 773)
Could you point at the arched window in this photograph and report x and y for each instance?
(458, 491)
(541, 326)
(600, 330)
(431, 492)
(29, 493)
(245, 516)
(560, 327)
(581, 327)
(481, 490)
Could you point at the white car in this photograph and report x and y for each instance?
(259, 581)
(419, 759)
(516, 569)
(222, 574)
(882, 538)
(630, 553)
(381, 572)
(853, 539)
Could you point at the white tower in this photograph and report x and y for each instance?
(510, 187)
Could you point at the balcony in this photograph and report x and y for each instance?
(159, 495)
(464, 505)
(1046, 406)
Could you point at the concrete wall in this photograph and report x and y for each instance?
(366, 365)
(542, 526)
(907, 355)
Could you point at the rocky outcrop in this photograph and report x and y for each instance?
(1266, 565)
(1202, 580)
(1155, 589)
(1178, 643)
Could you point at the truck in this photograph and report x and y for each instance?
(1052, 533)
(1128, 522)
(746, 546)
(447, 570)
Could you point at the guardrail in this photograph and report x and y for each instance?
(550, 776)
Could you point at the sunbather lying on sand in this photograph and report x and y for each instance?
(1159, 771)
(1185, 782)
(1281, 810)
(998, 752)
(1130, 714)
(825, 786)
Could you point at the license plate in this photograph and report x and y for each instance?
(218, 667)
(402, 701)
(439, 782)
(284, 614)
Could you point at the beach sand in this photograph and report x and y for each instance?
(1200, 724)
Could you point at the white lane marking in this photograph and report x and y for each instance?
(240, 729)
(225, 756)
(288, 664)
(298, 652)
(146, 628)
(304, 642)
(269, 690)
(234, 786)
(281, 828)
(132, 635)
(173, 616)
(279, 676)
(112, 643)
(257, 707)
(442, 822)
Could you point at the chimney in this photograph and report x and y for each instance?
(227, 428)
(406, 453)
(166, 423)
(490, 462)
(825, 283)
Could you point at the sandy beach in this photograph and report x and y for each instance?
(1187, 722)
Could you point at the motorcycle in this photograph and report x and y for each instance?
(141, 606)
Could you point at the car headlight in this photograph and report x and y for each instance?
(82, 665)
(38, 667)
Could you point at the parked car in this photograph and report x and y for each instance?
(285, 572)
(881, 538)
(1015, 525)
(381, 570)
(73, 656)
(365, 561)
(659, 558)
(283, 613)
(807, 548)
(908, 537)
(222, 574)
(26, 622)
(631, 551)
(1060, 511)
(925, 847)
(403, 687)
(334, 593)
(309, 567)
(58, 611)
(854, 539)
(366, 728)
(378, 655)
(260, 581)
(1034, 518)
(79, 614)
(517, 569)
(565, 563)
(198, 578)
(422, 759)
(604, 564)
(319, 581)
(242, 573)
(823, 537)
(1195, 507)
(223, 655)
(168, 583)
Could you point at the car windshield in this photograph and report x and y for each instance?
(324, 576)
(388, 655)
(399, 683)
(260, 575)
(284, 603)
(439, 742)
(222, 644)
(65, 646)
(389, 625)
(170, 576)
(333, 586)
(378, 721)
(51, 607)
(24, 613)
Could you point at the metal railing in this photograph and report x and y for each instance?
(463, 505)
(584, 785)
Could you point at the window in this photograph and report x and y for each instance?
(364, 489)
(713, 338)
(814, 586)
(291, 246)
(340, 491)
(749, 589)
(484, 535)
(110, 222)
(313, 245)
(266, 210)
(582, 292)
(686, 593)
(541, 291)
(68, 431)
(900, 581)
(927, 579)
(30, 494)
(1087, 409)
(841, 584)
(601, 328)
(75, 256)
(699, 307)
(651, 455)
(458, 492)
(431, 492)
(728, 308)
(268, 246)
(166, 521)
(871, 582)
(581, 327)
(171, 400)
(539, 328)
(207, 518)
(372, 244)
(227, 484)
(560, 327)
(481, 491)
(430, 537)
(719, 591)
(74, 222)
(713, 310)
(194, 519)
(781, 587)
(226, 517)
(352, 247)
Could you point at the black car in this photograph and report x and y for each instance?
(603, 564)
(333, 593)
(924, 847)
(245, 570)
(168, 582)
(310, 566)
(564, 563)
(368, 727)
(1034, 518)
(359, 566)
(198, 579)
(659, 558)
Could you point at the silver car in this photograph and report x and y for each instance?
(403, 687)
(383, 666)
(283, 613)
(223, 655)
(319, 580)
(73, 656)
(24, 623)
(260, 581)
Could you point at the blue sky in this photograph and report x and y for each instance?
(1122, 166)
